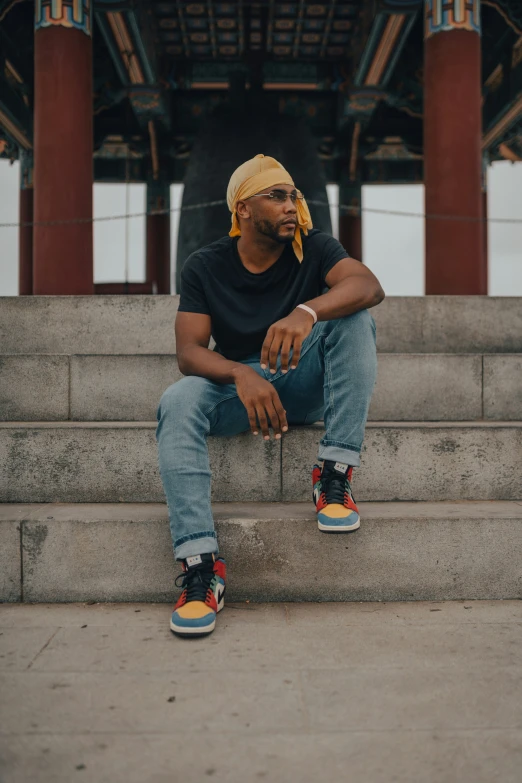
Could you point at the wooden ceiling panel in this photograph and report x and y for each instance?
(285, 31)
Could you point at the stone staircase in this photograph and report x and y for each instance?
(83, 515)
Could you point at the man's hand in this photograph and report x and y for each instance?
(261, 402)
(284, 335)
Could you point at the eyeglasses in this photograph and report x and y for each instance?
(280, 196)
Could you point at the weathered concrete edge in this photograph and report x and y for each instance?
(480, 323)
(416, 558)
(317, 426)
(114, 464)
(276, 511)
(471, 399)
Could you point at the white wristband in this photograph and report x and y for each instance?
(309, 310)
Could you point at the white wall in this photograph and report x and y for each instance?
(176, 194)
(393, 245)
(333, 199)
(505, 239)
(9, 213)
(119, 245)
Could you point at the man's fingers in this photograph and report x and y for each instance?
(263, 421)
(266, 347)
(285, 352)
(251, 411)
(271, 413)
(275, 419)
(277, 414)
(296, 353)
(281, 413)
(273, 352)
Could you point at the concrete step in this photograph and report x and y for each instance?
(403, 551)
(104, 462)
(145, 324)
(410, 387)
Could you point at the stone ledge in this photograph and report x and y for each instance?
(414, 387)
(106, 462)
(410, 387)
(145, 324)
(403, 551)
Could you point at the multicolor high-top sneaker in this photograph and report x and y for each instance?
(203, 596)
(334, 502)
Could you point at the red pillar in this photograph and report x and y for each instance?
(25, 236)
(350, 218)
(455, 260)
(158, 236)
(63, 147)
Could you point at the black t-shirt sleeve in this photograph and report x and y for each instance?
(332, 252)
(192, 297)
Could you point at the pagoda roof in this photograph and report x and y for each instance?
(350, 69)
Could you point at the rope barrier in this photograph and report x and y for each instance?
(354, 211)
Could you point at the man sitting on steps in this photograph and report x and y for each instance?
(285, 354)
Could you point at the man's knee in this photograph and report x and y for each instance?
(183, 396)
(361, 319)
(360, 323)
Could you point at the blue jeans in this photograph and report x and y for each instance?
(334, 380)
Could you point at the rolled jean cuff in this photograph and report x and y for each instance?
(196, 544)
(338, 454)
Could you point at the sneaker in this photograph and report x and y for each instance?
(334, 502)
(203, 596)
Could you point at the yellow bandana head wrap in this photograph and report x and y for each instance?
(254, 176)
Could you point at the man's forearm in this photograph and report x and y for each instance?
(347, 297)
(197, 360)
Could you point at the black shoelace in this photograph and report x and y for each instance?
(334, 485)
(196, 581)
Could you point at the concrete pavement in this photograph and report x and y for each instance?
(371, 692)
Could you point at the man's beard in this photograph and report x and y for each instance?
(271, 230)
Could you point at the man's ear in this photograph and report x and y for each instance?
(243, 210)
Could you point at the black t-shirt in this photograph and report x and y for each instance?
(243, 305)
